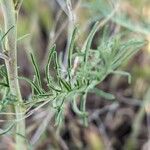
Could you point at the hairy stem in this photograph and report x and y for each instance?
(10, 20)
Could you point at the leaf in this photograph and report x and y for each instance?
(71, 46)
(123, 73)
(2, 38)
(59, 117)
(2, 132)
(76, 109)
(65, 84)
(3, 73)
(78, 83)
(48, 76)
(23, 37)
(88, 42)
(103, 94)
(37, 72)
(57, 66)
(33, 85)
(127, 49)
(4, 84)
(50, 82)
(53, 88)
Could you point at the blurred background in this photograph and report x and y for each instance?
(123, 123)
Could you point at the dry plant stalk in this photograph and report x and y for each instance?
(10, 13)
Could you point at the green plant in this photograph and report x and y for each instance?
(86, 68)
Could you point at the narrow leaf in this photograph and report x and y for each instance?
(103, 94)
(37, 72)
(123, 73)
(76, 109)
(47, 71)
(88, 42)
(7, 130)
(32, 84)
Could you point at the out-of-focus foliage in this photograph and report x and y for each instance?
(124, 16)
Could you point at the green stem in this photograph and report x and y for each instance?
(83, 108)
(10, 20)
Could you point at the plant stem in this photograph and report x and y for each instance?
(10, 20)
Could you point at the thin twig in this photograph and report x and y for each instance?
(42, 127)
(54, 36)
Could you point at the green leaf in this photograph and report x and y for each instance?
(123, 73)
(3, 73)
(103, 94)
(7, 130)
(23, 37)
(33, 85)
(47, 71)
(127, 50)
(57, 66)
(2, 38)
(4, 84)
(37, 72)
(76, 109)
(88, 42)
(65, 85)
(71, 47)
(59, 117)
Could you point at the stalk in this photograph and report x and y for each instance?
(10, 19)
